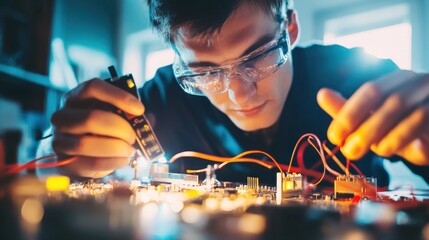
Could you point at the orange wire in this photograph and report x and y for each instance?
(321, 177)
(336, 160)
(263, 153)
(297, 144)
(348, 162)
(198, 155)
(324, 165)
(247, 160)
(323, 158)
(319, 151)
(294, 149)
(226, 159)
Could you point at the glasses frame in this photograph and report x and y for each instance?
(280, 40)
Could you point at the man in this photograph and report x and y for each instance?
(258, 92)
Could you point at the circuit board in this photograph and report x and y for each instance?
(180, 206)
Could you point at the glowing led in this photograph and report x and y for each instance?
(192, 193)
(252, 223)
(260, 200)
(149, 212)
(57, 183)
(211, 203)
(226, 204)
(176, 206)
(191, 214)
(130, 83)
(32, 211)
(162, 160)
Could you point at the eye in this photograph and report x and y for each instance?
(207, 77)
(257, 61)
(252, 67)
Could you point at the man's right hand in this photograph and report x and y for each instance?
(101, 140)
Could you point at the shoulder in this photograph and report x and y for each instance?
(334, 66)
(164, 79)
(335, 56)
(161, 88)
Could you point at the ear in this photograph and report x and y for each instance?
(293, 28)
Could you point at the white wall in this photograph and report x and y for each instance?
(311, 13)
(133, 18)
(306, 12)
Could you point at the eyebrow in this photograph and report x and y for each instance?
(260, 42)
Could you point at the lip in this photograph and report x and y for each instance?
(251, 111)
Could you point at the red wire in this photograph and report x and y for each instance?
(356, 169)
(348, 162)
(300, 159)
(348, 165)
(316, 165)
(307, 172)
(30, 162)
(300, 154)
(16, 168)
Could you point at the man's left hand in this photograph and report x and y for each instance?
(389, 116)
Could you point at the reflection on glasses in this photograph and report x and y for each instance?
(253, 67)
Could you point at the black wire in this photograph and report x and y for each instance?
(44, 137)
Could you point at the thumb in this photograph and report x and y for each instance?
(330, 101)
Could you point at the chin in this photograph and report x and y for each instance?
(254, 124)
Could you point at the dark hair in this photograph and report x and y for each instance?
(203, 16)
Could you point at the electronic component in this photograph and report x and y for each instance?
(351, 186)
(289, 185)
(146, 141)
(57, 183)
(176, 178)
(253, 183)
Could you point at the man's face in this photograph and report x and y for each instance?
(250, 106)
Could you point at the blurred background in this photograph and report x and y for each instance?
(49, 46)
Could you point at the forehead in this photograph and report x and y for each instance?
(242, 29)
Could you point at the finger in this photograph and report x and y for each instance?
(354, 112)
(418, 148)
(398, 105)
(81, 122)
(405, 133)
(375, 127)
(94, 167)
(91, 146)
(360, 106)
(330, 101)
(105, 92)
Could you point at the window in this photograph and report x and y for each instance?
(384, 33)
(392, 42)
(144, 53)
(157, 59)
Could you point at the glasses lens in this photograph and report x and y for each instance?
(262, 66)
(201, 84)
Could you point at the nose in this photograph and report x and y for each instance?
(241, 91)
